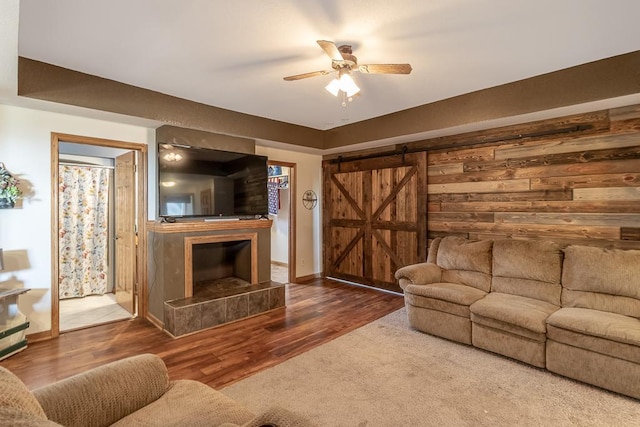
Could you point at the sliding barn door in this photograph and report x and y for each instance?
(374, 218)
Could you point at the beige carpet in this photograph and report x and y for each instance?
(385, 374)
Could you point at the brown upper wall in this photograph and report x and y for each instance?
(197, 138)
(52, 83)
(607, 78)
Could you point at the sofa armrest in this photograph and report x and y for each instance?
(418, 274)
(103, 395)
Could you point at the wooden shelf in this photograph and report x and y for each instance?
(189, 226)
(6, 293)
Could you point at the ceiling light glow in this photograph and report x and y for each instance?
(344, 83)
(172, 157)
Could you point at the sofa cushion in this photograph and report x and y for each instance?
(481, 281)
(602, 302)
(513, 313)
(593, 344)
(529, 268)
(452, 292)
(446, 297)
(602, 324)
(465, 261)
(457, 253)
(614, 273)
(189, 403)
(16, 398)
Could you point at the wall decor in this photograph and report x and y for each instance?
(309, 199)
(9, 191)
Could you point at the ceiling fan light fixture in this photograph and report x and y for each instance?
(344, 83)
(348, 85)
(333, 87)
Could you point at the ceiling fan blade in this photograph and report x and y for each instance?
(385, 68)
(307, 75)
(330, 49)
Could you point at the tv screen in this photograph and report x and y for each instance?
(201, 182)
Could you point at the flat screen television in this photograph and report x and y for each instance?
(202, 182)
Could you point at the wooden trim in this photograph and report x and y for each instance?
(308, 277)
(101, 142)
(39, 336)
(55, 240)
(155, 321)
(141, 249)
(293, 224)
(190, 226)
(198, 240)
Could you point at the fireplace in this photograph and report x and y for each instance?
(220, 265)
(205, 274)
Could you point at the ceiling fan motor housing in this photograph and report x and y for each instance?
(349, 61)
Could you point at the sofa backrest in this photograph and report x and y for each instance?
(602, 279)
(528, 268)
(433, 250)
(142, 379)
(464, 261)
(17, 405)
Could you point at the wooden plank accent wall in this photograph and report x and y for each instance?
(574, 188)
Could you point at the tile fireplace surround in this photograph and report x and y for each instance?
(204, 274)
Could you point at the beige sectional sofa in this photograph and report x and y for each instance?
(573, 311)
(130, 392)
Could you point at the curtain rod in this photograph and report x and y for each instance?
(63, 163)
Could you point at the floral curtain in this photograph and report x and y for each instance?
(83, 230)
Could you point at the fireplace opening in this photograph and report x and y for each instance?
(221, 267)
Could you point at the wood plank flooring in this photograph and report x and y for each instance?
(317, 311)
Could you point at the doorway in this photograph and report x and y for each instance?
(98, 212)
(282, 211)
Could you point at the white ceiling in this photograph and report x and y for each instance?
(234, 54)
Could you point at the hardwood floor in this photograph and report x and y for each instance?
(317, 311)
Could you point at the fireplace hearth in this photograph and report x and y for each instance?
(225, 301)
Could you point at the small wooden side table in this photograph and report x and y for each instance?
(12, 323)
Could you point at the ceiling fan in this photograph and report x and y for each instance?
(344, 62)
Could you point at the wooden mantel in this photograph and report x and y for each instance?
(191, 226)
